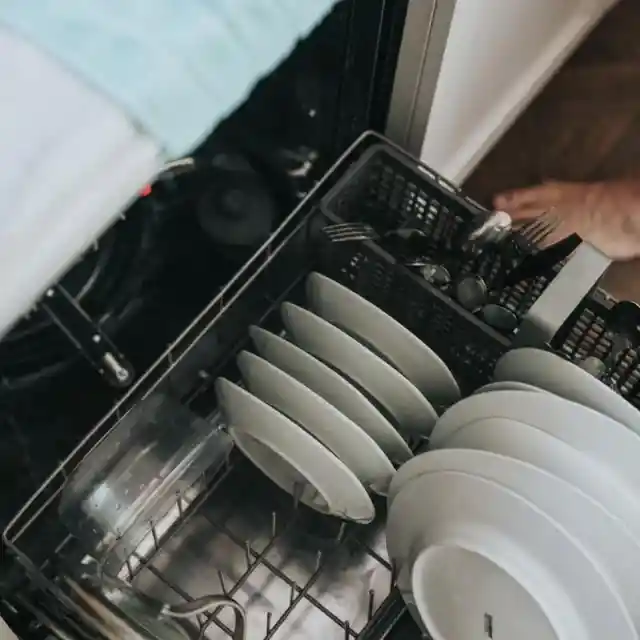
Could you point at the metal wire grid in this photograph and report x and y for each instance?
(255, 558)
(178, 517)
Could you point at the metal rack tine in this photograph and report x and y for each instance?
(269, 617)
(223, 586)
(347, 630)
(370, 607)
(154, 535)
(130, 569)
(274, 524)
(298, 489)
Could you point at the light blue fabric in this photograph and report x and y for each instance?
(177, 67)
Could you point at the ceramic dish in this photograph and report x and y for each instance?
(531, 578)
(523, 442)
(407, 353)
(335, 389)
(323, 421)
(607, 541)
(548, 371)
(507, 385)
(410, 410)
(607, 442)
(292, 458)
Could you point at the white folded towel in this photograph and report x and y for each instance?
(177, 67)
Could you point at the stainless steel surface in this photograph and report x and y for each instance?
(114, 609)
(574, 281)
(159, 448)
(424, 41)
(297, 574)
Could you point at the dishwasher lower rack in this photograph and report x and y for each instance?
(295, 571)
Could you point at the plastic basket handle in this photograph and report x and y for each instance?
(574, 282)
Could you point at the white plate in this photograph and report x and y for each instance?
(523, 442)
(413, 413)
(605, 538)
(333, 388)
(605, 441)
(323, 421)
(291, 458)
(531, 566)
(549, 371)
(359, 317)
(507, 385)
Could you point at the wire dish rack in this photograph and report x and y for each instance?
(299, 575)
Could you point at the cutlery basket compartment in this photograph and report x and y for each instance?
(239, 530)
(388, 189)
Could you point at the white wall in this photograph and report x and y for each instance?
(500, 53)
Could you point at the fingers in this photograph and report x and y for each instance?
(525, 214)
(513, 202)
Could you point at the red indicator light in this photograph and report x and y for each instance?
(145, 191)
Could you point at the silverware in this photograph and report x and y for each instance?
(435, 274)
(472, 292)
(500, 317)
(350, 232)
(493, 229)
(543, 262)
(530, 235)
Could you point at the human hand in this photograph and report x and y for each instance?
(604, 214)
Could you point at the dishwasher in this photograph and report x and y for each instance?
(156, 504)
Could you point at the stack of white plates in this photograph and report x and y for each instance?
(523, 521)
(327, 414)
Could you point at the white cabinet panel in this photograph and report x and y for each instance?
(5, 632)
(498, 56)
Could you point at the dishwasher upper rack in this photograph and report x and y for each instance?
(277, 272)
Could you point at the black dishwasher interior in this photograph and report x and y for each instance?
(292, 567)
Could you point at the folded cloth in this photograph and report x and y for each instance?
(70, 161)
(177, 67)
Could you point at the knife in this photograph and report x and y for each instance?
(544, 261)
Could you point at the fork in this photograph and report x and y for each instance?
(530, 235)
(350, 231)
